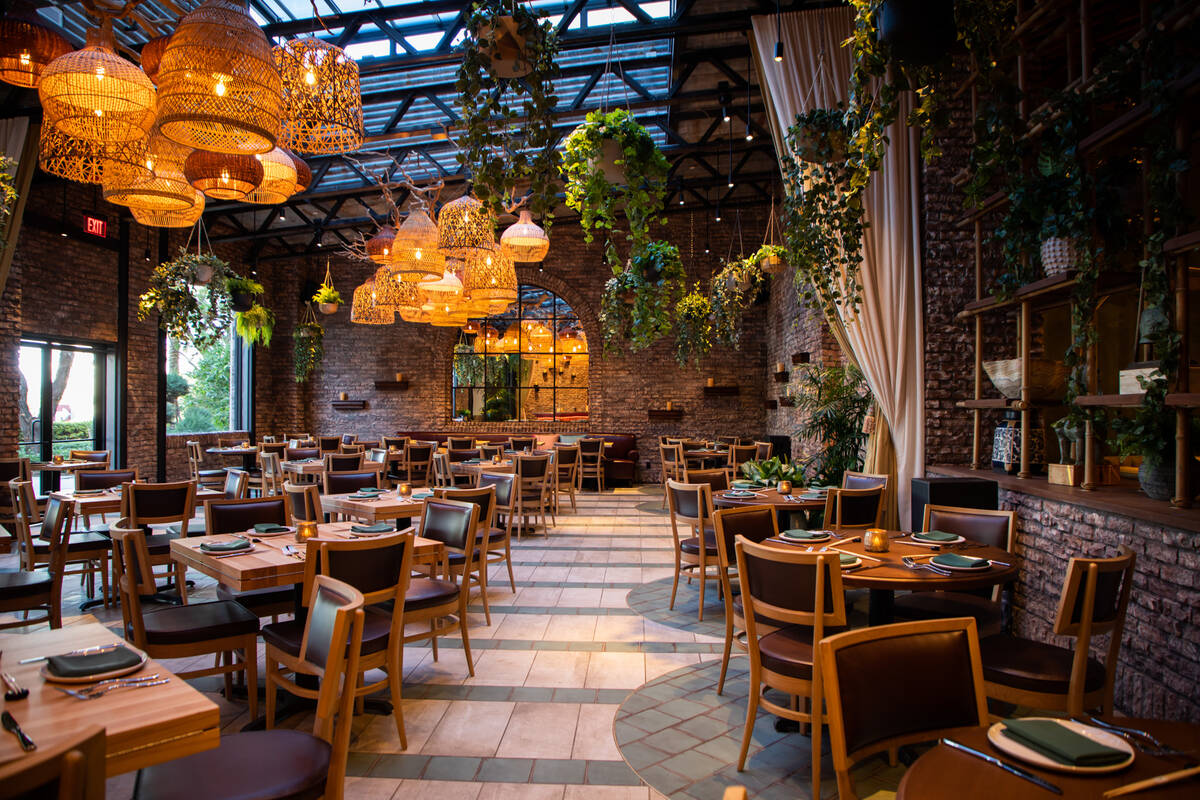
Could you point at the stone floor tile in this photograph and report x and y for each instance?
(501, 668)
(594, 733)
(572, 627)
(437, 790)
(565, 669)
(520, 791)
(540, 730)
(616, 671)
(469, 728)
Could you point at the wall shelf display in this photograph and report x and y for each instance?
(787, 402)
(781, 377)
(771, 405)
(349, 405)
(392, 386)
(716, 391)
(665, 413)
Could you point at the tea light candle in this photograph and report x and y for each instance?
(344, 396)
(785, 487)
(305, 530)
(404, 490)
(779, 366)
(399, 377)
(875, 540)
(57, 459)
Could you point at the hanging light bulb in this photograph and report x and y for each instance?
(379, 246)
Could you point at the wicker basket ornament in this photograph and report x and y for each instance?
(1047, 379)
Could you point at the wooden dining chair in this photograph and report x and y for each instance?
(380, 569)
(394, 443)
(196, 470)
(343, 462)
(591, 462)
(458, 457)
(866, 717)
(377, 458)
(91, 479)
(566, 474)
(172, 504)
(532, 491)
(301, 453)
(460, 443)
(349, 438)
(71, 768)
(91, 456)
(489, 451)
(863, 480)
(717, 479)
(672, 465)
(522, 443)
(10, 469)
(329, 444)
(418, 458)
(1093, 602)
(230, 441)
(690, 505)
(356, 447)
(33, 588)
(282, 763)
(803, 590)
(993, 528)
(235, 484)
(729, 441)
(754, 524)
(738, 455)
(500, 532)
(763, 450)
(476, 570)
(853, 509)
(87, 551)
(220, 627)
(223, 516)
(441, 470)
(303, 502)
(270, 478)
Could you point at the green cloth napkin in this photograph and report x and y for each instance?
(224, 547)
(955, 560)
(269, 527)
(370, 490)
(743, 484)
(378, 527)
(798, 533)
(88, 492)
(812, 496)
(91, 663)
(1059, 743)
(421, 495)
(936, 536)
(848, 558)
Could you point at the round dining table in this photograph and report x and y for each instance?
(249, 455)
(885, 573)
(784, 505)
(944, 773)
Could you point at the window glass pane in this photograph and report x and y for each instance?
(199, 387)
(31, 405)
(73, 392)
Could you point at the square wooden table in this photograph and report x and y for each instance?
(142, 726)
(51, 473)
(109, 501)
(388, 506)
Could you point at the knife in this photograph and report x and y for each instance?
(1009, 768)
(10, 725)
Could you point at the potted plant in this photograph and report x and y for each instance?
(820, 135)
(771, 471)
(599, 197)
(770, 258)
(256, 325)
(185, 314)
(327, 299)
(832, 405)
(308, 348)
(654, 279)
(693, 327)
(1150, 434)
(242, 292)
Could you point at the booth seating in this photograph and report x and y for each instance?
(620, 460)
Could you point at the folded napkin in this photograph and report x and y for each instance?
(742, 484)
(378, 527)
(935, 536)
(421, 495)
(92, 663)
(370, 490)
(847, 558)
(1059, 743)
(370, 496)
(812, 496)
(472, 460)
(88, 492)
(225, 547)
(955, 560)
(803, 535)
(269, 527)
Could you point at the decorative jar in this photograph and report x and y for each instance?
(875, 540)
(305, 530)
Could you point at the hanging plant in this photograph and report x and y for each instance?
(654, 280)
(327, 298)
(308, 346)
(506, 98)
(256, 325)
(199, 318)
(599, 197)
(693, 327)
(8, 195)
(242, 292)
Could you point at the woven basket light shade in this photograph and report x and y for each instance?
(95, 95)
(278, 181)
(393, 293)
(490, 275)
(26, 49)
(303, 173)
(379, 246)
(152, 52)
(322, 101)
(447, 320)
(536, 337)
(487, 340)
(166, 189)
(448, 288)
(363, 309)
(415, 255)
(414, 314)
(219, 89)
(89, 162)
(170, 219)
(570, 340)
(524, 240)
(223, 176)
(465, 225)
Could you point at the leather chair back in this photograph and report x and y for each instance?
(689, 501)
(301, 453)
(520, 443)
(863, 480)
(457, 456)
(235, 484)
(531, 468)
(376, 455)
(717, 479)
(753, 523)
(693, 444)
(159, 503)
(91, 456)
(503, 485)
(739, 454)
(329, 444)
(237, 516)
(271, 465)
(482, 496)
(993, 528)
(395, 442)
(355, 447)
(349, 438)
(670, 455)
(377, 567)
(489, 451)
(591, 451)
(460, 442)
(762, 450)
(729, 440)
(303, 502)
(344, 482)
(364, 444)
(452, 523)
(11, 468)
(1095, 595)
(343, 462)
(567, 456)
(104, 478)
(792, 586)
(856, 509)
(272, 447)
(419, 457)
(72, 769)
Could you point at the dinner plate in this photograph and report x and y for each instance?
(741, 493)
(940, 565)
(938, 542)
(252, 532)
(101, 676)
(1019, 751)
(851, 564)
(806, 536)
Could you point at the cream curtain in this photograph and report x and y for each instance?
(885, 337)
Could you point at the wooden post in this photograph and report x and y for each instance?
(1025, 334)
(1089, 429)
(977, 414)
(1183, 416)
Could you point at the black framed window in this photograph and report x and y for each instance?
(530, 363)
(209, 390)
(67, 397)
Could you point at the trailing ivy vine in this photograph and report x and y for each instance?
(638, 304)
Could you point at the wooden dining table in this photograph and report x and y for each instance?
(389, 506)
(884, 573)
(249, 455)
(944, 773)
(785, 507)
(109, 500)
(141, 726)
(51, 473)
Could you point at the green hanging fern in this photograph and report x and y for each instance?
(693, 327)
(308, 349)
(257, 325)
(185, 312)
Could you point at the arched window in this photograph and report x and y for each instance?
(529, 363)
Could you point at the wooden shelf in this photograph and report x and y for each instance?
(1183, 400)
(392, 386)
(799, 358)
(989, 205)
(990, 402)
(349, 405)
(1182, 243)
(771, 405)
(1109, 400)
(780, 377)
(787, 402)
(717, 391)
(665, 413)
(1049, 291)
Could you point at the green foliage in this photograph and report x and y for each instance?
(638, 303)
(257, 325)
(832, 403)
(771, 471)
(206, 405)
(499, 406)
(732, 291)
(8, 194)
(327, 294)
(185, 312)
(760, 255)
(693, 327)
(1150, 431)
(502, 154)
(599, 202)
(197, 419)
(308, 348)
(73, 431)
(177, 387)
(235, 284)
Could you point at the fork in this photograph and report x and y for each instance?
(912, 564)
(1157, 748)
(93, 693)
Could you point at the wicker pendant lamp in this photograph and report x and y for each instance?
(152, 52)
(170, 219)
(223, 176)
(448, 288)
(524, 240)
(488, 339)
(26, 48)
(219, 89)
(415, 252)
(465, 225)
(379, 246)
(90, 162)
(322, 101)
(279, 178)
(393, 293)
(363, 309)
(489, 275)
(165, 189)
(303, 173)
(95, 95)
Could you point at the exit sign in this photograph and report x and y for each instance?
(96, 226)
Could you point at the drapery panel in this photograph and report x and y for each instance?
(884, 336)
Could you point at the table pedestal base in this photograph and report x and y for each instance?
(881, 611)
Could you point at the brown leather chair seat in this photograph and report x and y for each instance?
(278, 763)
(15, 585)
(493, 535)
(288, 635)
(692, 545)
(257, 599)
(80, 543)
(988, 615)
(159, 544)
(193, 623)
(1034, 666)
(426, 592)
(789, 651)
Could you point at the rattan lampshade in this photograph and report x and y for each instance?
(415, 315)
(448, 287)
(89, 162)
(278, 181)
(393, 293)
(95, 95)
(303, 173)
(152, 52)
(363, 309)
(219, 89)
(379, 246)
(322, 101)
(536, 337)
(165, 189)
(524, 240)
(26, 48)
(465, 225)
(170, 219)
(489, 275)
(487, 339)
(415, 254)
(223, 176)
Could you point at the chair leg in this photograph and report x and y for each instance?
(512, 582)
(395, 684)
(466, 639)
(675, 580)
(181, 582)
(702, 572)
(250, 665)
(487, 612)
(433, 637)
(104, 580)
(225, 660)
(751, 714)
(728, 651)
(271, 672)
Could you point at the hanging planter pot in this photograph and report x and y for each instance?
(242, 292)
(327, 308)
(1058, 255)
(918, 32)
(606, 162)
(501, 42)
(629, 297)
(327, 298)
(203, 273)
(241, 301)
(1157, 478)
